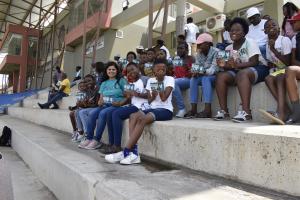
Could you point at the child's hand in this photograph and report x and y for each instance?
(231, 63)
(100, 102)
(271, 43)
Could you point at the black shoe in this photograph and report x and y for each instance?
(55, 107)
(41, 106)
(290, 121)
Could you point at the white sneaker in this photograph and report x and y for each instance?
(131, 159)
(241, 117)
(181, 113)
(74, 134)
(114, 157)
(221, 115)
(79, 138)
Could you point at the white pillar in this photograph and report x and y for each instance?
(180, 17)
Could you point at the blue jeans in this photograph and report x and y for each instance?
(207, 83)
(180, 84)
(81, 116)
(53, 98)
(115, 122)
(99, 113)
(160, 114)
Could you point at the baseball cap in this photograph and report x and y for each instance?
(295, 18)
(204, 37)
(252, 11)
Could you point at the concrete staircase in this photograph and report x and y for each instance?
(256, 154)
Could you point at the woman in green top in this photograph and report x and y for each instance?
(111, 97)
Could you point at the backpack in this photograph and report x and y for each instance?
(5, 139)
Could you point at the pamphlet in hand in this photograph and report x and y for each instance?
(129, 87)
(157, 86)
(224, 55)
(197, 68)
(177, 62)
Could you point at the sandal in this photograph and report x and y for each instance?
(203, 114)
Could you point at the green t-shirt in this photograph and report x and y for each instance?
(112, 89)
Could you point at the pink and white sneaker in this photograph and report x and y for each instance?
(93, 145)
(84, 143)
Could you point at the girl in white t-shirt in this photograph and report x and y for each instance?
(159, 90)
(278, 53)
(134, 90)
(245, 68)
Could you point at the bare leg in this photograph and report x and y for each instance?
(272, 85)
(133, 119)
(142, 121)
(73, 121)
(292, 75)
(224, 79)
(281, 91)
(245, 78)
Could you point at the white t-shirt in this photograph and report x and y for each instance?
(137, 101)
(191, 31)
(257, 33)
(158, 103)
(247, 50)
(294, 42)
(284, 46)
(167, 50)
(226, 37)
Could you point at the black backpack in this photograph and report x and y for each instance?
(5, 139)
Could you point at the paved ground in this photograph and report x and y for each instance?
(17, 182)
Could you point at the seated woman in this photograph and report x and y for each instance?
(111, 97)
(278, 53)
(203, 74)
(293, 73)
(182, 72)
(135, 91)
(245, 67)
(159, 89)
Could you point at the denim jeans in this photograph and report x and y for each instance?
(98, 116)
(180, 84)
(207, 83)
(115, 122)
(53, 98)
(81, 116)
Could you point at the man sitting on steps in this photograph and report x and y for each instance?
(64, 90)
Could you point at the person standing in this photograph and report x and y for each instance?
(191, 31)
(256, 29)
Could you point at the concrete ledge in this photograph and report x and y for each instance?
(71, 173)
(254, 153)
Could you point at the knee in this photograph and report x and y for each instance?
(290, 72)
(268, 80)
(141, 120)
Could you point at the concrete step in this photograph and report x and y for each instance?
(17, 180)
(254, 153)
(72, 173)
(63, 104)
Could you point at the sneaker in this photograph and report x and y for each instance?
(74, 138)
(241, 117)
(93, 145)
(74, 134)
(273, 116)
(84, 143)
(181, 113)
(221, 115)
(131, 159)
(80, 138)
(115, 157)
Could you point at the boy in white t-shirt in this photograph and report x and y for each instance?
(256, 29)
(278, 54)
(159, 89)
(191, 31)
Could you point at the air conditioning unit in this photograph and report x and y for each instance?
(215, 23)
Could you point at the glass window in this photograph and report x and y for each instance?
(12, 45)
